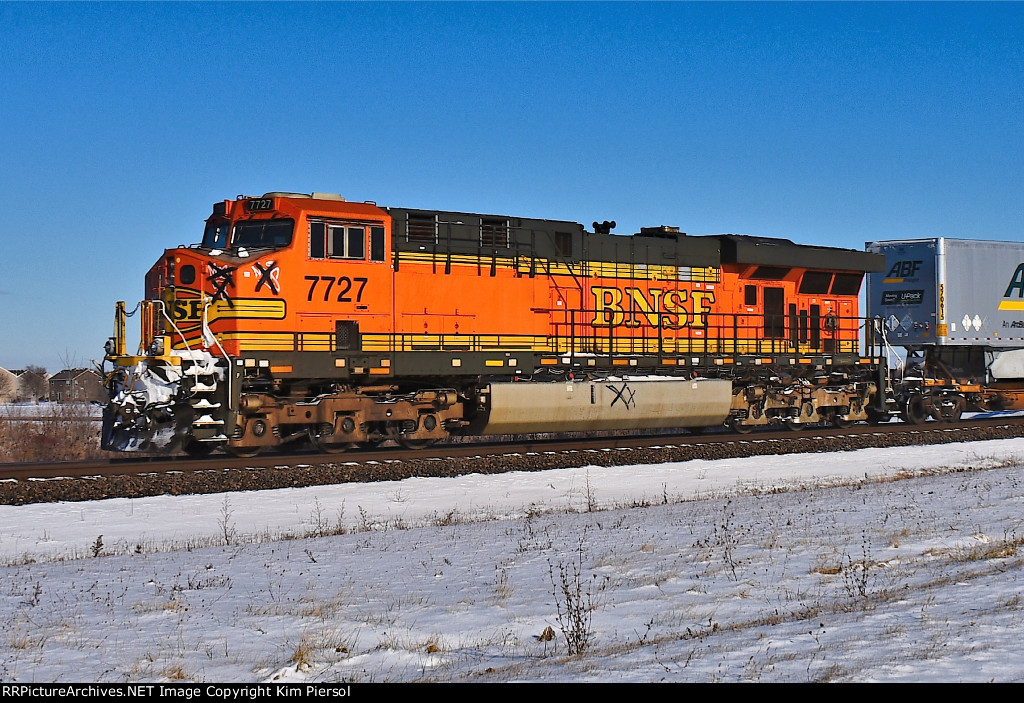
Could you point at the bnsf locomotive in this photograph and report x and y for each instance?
(309, 318)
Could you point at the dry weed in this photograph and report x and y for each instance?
(64, 432)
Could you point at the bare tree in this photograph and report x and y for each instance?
(34, 383)
(70, 359)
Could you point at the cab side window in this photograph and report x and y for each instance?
(376, 244)
(750, 295)
(343, 240)
(318, 240)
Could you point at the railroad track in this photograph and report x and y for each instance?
(141, 476)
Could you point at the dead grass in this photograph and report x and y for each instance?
(174, 672)
(989, 549)
(63, 432)
(302, 658)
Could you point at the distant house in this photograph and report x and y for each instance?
(8, 386)
(76, 385)
(33, 384)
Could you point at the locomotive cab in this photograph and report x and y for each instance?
(272, 275)
(319, 255)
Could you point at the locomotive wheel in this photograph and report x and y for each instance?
(915, 412)
(841, 422)
(323, 443)
(197, 450)
(736, 425)
(876, 417)
(320, 444)
(807, 411)
(414, 443)
(245, 452)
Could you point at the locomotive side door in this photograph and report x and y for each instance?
(747, 320)
(836, 316)
(774, 318)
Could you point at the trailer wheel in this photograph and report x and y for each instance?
(951, 409)
(916, 411)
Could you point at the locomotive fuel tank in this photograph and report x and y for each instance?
(613, 403)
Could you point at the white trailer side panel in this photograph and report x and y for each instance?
(950, 292)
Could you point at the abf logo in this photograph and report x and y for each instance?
(901, 270)
(1014, 290)
(671, 309)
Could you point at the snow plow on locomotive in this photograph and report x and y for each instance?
(310, 318)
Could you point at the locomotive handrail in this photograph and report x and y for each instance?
(206, 330)
(724, 333)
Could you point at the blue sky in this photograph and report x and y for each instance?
(831, 124)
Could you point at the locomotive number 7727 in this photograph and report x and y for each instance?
(344, 287)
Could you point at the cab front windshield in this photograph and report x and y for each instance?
(216, 234)
(251, 234)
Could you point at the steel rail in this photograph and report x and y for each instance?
(141, 465)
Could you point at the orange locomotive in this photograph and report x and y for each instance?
(306, 317)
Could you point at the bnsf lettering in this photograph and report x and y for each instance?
(631, 307)
(1016, 283)
(904, 269)
(344, 287)
(188, 309)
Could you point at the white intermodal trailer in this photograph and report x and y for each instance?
(957, 307)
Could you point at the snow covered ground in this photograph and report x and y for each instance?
(879, 564)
